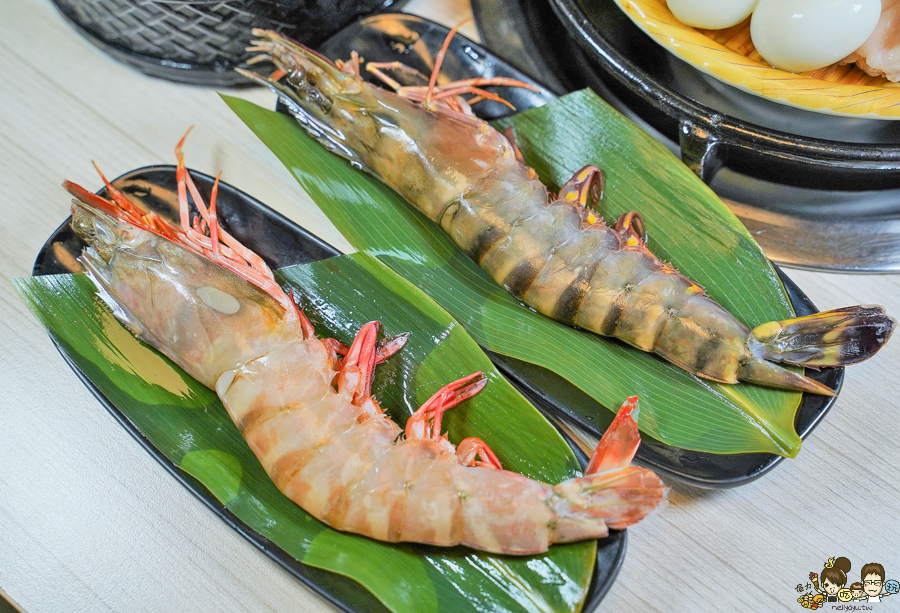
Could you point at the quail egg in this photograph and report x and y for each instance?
(711, 14)
(801, 35)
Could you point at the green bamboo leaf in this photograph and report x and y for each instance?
(187, 423)
(688, 226)
(221, 471)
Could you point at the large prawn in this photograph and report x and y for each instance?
(196, 294)
(549, 250)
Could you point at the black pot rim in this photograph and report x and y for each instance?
(708, 128)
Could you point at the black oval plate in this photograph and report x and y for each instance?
(281, 243)
(412, 40)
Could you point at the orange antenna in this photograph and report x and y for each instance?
(440, 60)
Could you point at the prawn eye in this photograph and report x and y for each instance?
(296, 77)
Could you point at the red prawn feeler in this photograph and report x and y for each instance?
(218, 246)
(465, 86)
(448, 95)
(253, 267)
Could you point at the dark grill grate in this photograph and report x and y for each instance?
(200, 41)
(189, 32)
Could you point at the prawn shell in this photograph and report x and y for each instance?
(212, 317)
(419, 492)
(543, 253)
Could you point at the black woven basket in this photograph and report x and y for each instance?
(201, 41)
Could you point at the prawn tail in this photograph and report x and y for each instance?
(612, 493)
(831, 338)
(589, 506)
(756, 370)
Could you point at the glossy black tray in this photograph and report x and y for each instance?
(281, 243)
(412, 40)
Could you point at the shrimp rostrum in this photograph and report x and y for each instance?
(304, 404)
(549, 250)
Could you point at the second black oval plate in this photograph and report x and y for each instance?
(281, 243)
(412, 40)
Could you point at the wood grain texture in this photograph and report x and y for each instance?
(90, 522)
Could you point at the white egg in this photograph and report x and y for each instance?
(711, 14)
(801, 35)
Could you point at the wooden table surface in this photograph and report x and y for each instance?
(90, 522)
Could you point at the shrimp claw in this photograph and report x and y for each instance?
(426, 421)
(471, 449)
(584, 189)
(632, 229)
(359, 364)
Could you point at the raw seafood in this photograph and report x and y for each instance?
(212, 306)
(550, 250)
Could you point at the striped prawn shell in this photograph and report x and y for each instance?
(343, 463)
(588, 274)
(464, 175)
(467, 178)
